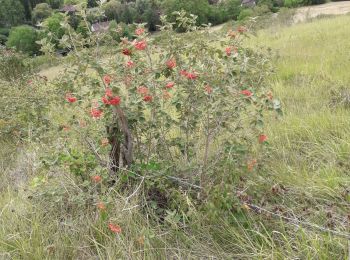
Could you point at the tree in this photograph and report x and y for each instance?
(41, 12)
(11, 13)
(197, 7)
(23, 38)
(113, 10)
(53, 27)
(55, 4)
(92, 3)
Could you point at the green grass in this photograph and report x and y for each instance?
(308, 162)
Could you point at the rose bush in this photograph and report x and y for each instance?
(175, 113)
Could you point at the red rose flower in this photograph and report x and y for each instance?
(262, 138)
(147, 98)
(142, 90)
(115, 101)
(208, 89)
(126, 52)
(247, 93)
(139, 31)
(96, 113)
(107, 79)
(114, 228)
(96, 178)
(170, 85)
(140, 45)
(171, 63)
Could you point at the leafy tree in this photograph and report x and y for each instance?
(53, 27)
(11, 13)
(92, 3)
(40, 12)
(55, 4)
(197, 7)
(23, 38)
(113, 10)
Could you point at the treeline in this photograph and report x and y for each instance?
(21, 20)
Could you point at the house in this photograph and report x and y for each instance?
(248, 3)
(68, 9)
(100, 26)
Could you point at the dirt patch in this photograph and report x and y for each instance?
(333, 8)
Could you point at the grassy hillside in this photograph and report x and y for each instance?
(305, 177)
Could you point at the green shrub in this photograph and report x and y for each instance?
(13, 66)
(53, 27)
(23, 38)
(5, 31)
(3, 39)
(293, 3)
(41, 12)
(245, 13)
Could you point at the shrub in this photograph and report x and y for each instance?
(53, 27)
(5, 31)
(41, 12)
(3, 39)
(245, 13)
(12, 66)
(170, 113)
(55, 4)
(199, 8)
(23, 38)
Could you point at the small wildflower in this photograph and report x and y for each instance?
(247, 93)
(171, 63)
(114, 228)
(101, 206)
(107, 79)
(170, 85)
(139, 31)
(262, 138)
(147, 98)
(140, 45)
(96, 178)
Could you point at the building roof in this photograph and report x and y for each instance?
(248, 2)
(68, 8)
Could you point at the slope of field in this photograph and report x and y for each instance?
(333, 8)
(303, 191)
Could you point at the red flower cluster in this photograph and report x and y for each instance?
(101, 206)
(170, 85)
(171, 63)
(139, 31)
(126, 52)
(70, 98)
(96, 178)
(147, 98)
(114, 228)
(109, 99)
(189, 75)
(96, 113)
(142, 90)
(247, 93)
(130, 64)
(262, 138)
(107, 79)
(140, 45)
